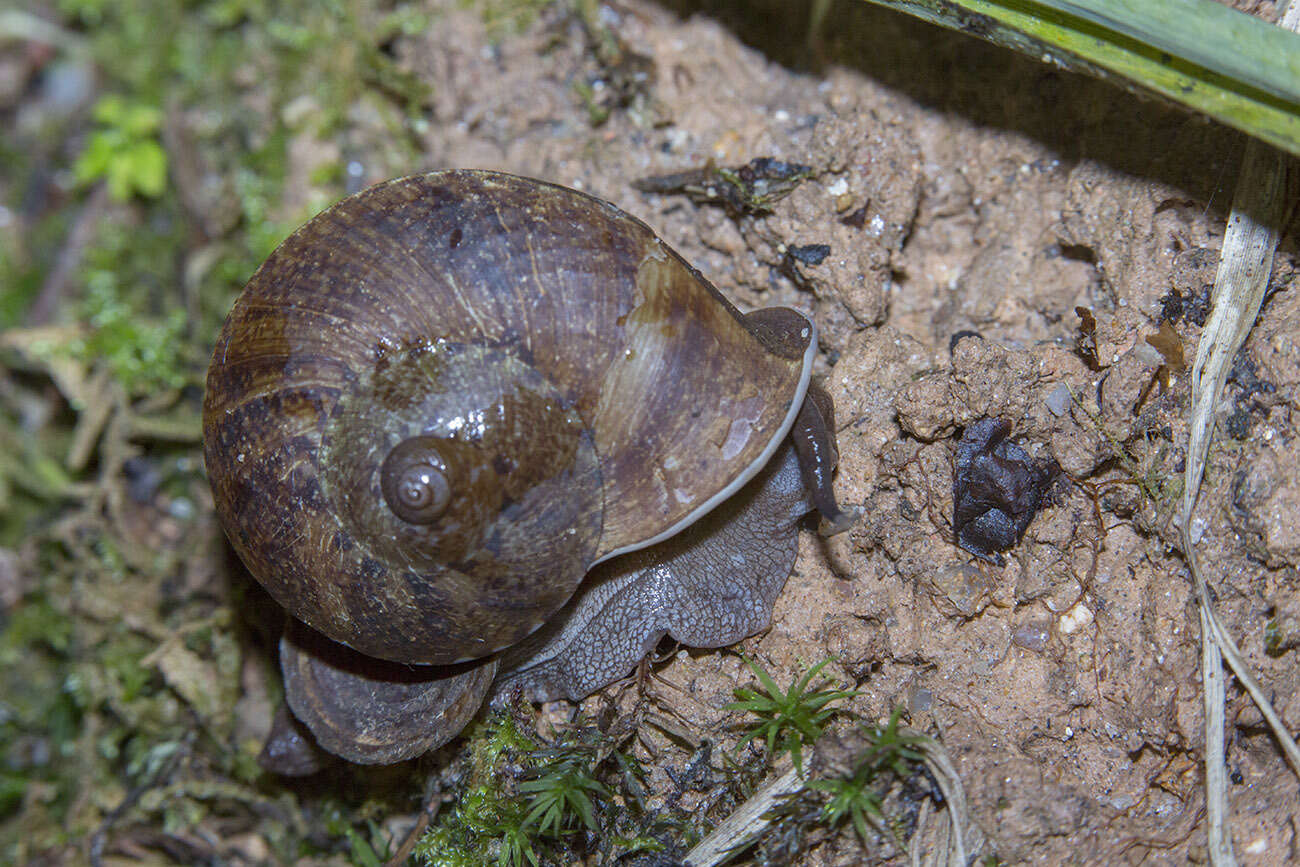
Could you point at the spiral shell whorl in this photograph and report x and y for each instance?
(516, 535)
(523, 516)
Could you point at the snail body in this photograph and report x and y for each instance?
(446, 398)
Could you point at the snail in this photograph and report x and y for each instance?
(471, 428)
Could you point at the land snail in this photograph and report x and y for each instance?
(478, 432)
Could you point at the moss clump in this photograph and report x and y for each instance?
(788, 719)
(528, 801)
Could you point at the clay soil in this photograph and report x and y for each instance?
(971, 201)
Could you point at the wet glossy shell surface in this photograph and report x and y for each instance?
(585, 390)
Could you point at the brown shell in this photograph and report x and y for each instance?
(598, 393)
(372, 711)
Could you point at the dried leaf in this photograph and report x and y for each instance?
(749, 189)
(1170, 346)
(1085, 342)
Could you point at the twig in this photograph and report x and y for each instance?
(427, 815)
(69, 259)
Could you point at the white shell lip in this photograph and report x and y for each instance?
(750, 471)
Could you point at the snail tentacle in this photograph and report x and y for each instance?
(814, 440)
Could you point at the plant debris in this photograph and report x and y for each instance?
(1085, 339)
(1170, 346)
(809, 254)
(621, 78)
(1246, 405)
(1194, 307)
(749, 189)
(858, 218)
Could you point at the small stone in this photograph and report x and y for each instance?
(1058, 401)
(1075, 619)
(1032, 635)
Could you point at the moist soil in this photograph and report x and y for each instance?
(971, 201)
(1002, 240)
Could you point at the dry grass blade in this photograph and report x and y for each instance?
(745, 824)
(1239, 286)
(951, 843)
(959, 835)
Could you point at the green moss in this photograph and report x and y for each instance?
(486, 825)
(39, 718)
(1274, 638)
(507, 17)
(259, 191)
(788, 719)
(119, 668)
(145, 353)
(33, 481)
(856, 798)
(37, 624)
(523, 800)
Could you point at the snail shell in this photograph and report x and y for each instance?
(445, 398)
